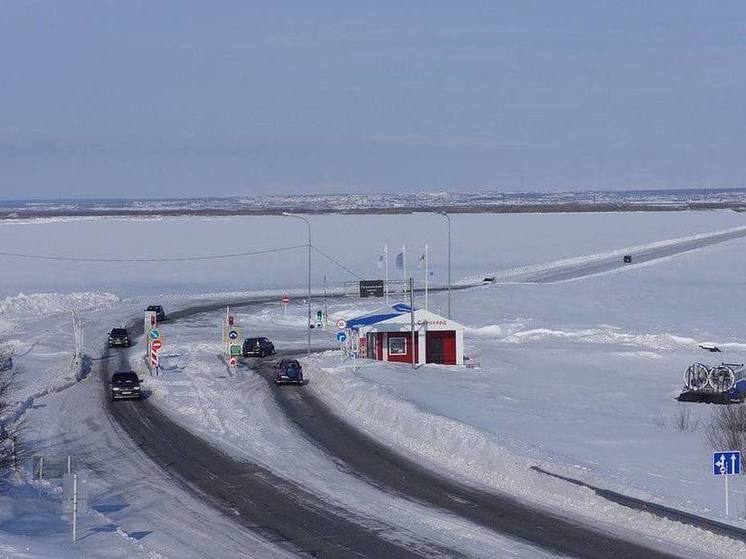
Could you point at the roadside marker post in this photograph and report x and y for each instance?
(726, 463)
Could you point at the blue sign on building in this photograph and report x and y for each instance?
(726, 463)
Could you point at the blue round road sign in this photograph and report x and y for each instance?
(233, 334)
(341, 337)
(154, 334)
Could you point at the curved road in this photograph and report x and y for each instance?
(283, 512)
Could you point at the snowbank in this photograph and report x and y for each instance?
(475, 456)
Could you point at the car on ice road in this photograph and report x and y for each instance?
(125, 385)
(160, 314)
(258, 347)
(288, 371)
(119, 337)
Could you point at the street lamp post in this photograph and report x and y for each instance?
(448, 217)
(308, 224)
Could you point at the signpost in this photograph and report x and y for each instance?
(233, 335)
(371, 288)
(341, 324)
(726, 463)
(285, 302)
(156, 345)
(341, 337)
(155, 334)
(75, 497)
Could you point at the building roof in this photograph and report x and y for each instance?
(379, 315)
(422, 318)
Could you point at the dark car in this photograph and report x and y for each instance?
(125, 385)
(288, 371)
(627, 259)
(160, 314)
(118, 337)
(258, 347)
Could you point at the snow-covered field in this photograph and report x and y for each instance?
(577, 377)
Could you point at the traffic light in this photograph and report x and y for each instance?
(319, 316)
(230, 321)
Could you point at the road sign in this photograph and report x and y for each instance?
(726, 463)
(341, 337)
(371, 288)
(235, 350)
(285, 299)
(232, 361)
(233, 335)
(341, 324)
(155, 334)
(155, 345)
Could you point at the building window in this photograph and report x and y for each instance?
(398, 346)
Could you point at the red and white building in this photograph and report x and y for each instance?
(386, 335)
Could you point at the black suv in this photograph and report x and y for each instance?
(258, 347)
(125, 385)
(160, 314)
(119, 337)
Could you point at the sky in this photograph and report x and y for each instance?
(102, 99)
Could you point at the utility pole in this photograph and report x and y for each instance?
(411, 314)
(308, 224)
(448, 217)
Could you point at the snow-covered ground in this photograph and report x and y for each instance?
(577, 377)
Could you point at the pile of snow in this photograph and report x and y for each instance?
(602, 335)
(38, 305)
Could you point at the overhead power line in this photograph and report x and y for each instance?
(162, 259)
(335, 261)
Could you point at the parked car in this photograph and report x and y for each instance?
(489, 279)
(288, 371)
(627, 259)
(118, 337)
(160, 314)
(125, 385)
(258, 347)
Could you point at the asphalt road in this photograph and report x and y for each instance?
(576, 271)
(390, 471)
(280, 510)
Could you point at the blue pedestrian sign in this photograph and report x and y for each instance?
(154, 334)
(233, 334)
(341, 337)
(726, 463)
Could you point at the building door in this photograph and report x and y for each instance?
(434, 349)
(441, 347)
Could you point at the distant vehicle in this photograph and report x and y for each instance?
(288, 371)
(259, 347)
(627, 259)
(489, 279)
(160, 314)
(125, 385)
(118, 337)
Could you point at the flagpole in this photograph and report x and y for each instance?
(404, 260)
(386, 283)
(426, 276)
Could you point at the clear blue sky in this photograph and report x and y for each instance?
(141, 98)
